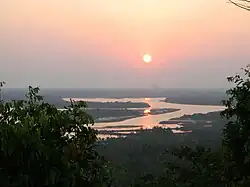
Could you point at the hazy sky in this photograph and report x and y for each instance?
(100, 43)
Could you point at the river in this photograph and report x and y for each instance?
(150, 121)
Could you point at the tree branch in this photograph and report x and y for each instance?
(245, 4)
(246, 1)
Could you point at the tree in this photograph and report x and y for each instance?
(193, 168)
(236, 133)
(244, 4)
(230, 165)
(42, 146)
(2, 83)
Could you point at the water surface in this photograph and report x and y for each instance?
(150, 121)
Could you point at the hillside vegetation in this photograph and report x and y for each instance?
(41, 146)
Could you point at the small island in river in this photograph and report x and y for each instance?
(197, 121)
(114, 111)
(103, 115)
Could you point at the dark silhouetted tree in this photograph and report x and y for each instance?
(2, 83)
(236, 133)
(41, 146)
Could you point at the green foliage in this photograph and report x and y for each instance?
(196, 167)
(42, 146)
(228, 166)
(2, 83)
(143, 161)
(236, 134)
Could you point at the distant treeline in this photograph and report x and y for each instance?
(182, 96)
(60, 103)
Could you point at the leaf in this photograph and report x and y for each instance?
(54, 175)
(33, 138)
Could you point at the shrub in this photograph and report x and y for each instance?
(43, 146)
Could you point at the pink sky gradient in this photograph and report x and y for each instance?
(83, 43)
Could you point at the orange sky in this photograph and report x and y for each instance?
(122, 31)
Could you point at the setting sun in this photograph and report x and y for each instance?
(147, 58)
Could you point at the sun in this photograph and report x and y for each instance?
(147, 58)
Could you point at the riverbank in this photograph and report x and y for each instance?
(108, 104)
(209, 122)
(137, 114)
(192, 102)
(197, 121)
